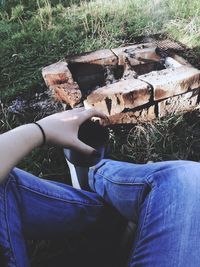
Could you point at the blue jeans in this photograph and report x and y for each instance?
(163, 199)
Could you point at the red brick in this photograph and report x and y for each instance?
(125, 94)
(57, 73)
(60, 81)
(119, 50)
(180, 103)
(143, 56)
(100, 57)
(67, 93)
(171, 82)
(136, 54)
(181, 60)
(143, 115)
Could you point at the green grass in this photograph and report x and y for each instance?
(36, 33)
(172, 138)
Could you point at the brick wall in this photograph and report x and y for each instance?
(130, 84)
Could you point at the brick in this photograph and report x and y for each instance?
(143, 56)
(57, 73)
(89, 69)
(181, 60)
(138, 58)
(114, 98)
(143, 115)
(172, 63)
(171, 82)
(119, 50)
(100, 57)
(181, 103)
(136, 54)
(67, 93)
(60, 81)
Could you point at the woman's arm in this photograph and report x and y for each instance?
(60, 129)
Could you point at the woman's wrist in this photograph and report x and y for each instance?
(42, 131)
(32, 135)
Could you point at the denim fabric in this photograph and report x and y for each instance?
(38, 209)
(163, 199)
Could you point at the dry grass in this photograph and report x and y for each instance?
(171, 138)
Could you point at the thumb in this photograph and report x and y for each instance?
(83, 148)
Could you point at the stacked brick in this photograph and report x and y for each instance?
(129, 84)
(61, 83)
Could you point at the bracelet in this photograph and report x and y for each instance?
(43, 133)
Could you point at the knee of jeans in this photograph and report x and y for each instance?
(182, 179)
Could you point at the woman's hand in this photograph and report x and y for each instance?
(62, 128)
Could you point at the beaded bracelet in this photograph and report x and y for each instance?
(43, 133)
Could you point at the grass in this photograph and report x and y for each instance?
(37, 33)
(172, 138)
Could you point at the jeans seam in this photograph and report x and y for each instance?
(148, 205)
(36, 191)
(6, 219)
(91, 179)
(119, 183)
(144, 223)
(57, 198)
(139, 198)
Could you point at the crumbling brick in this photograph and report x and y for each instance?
(143, 115)
(171, 82)
(67, 93)
(142, 56)
(114, 98)
(181, 60)
(60, 81)
(138, 59)
(100, 57)
(119, 50)
(136, 54)
(127, 83)
(180, 103)
(57, 73)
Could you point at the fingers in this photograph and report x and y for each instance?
(89, 113)
(83, 148)
(78, 109)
